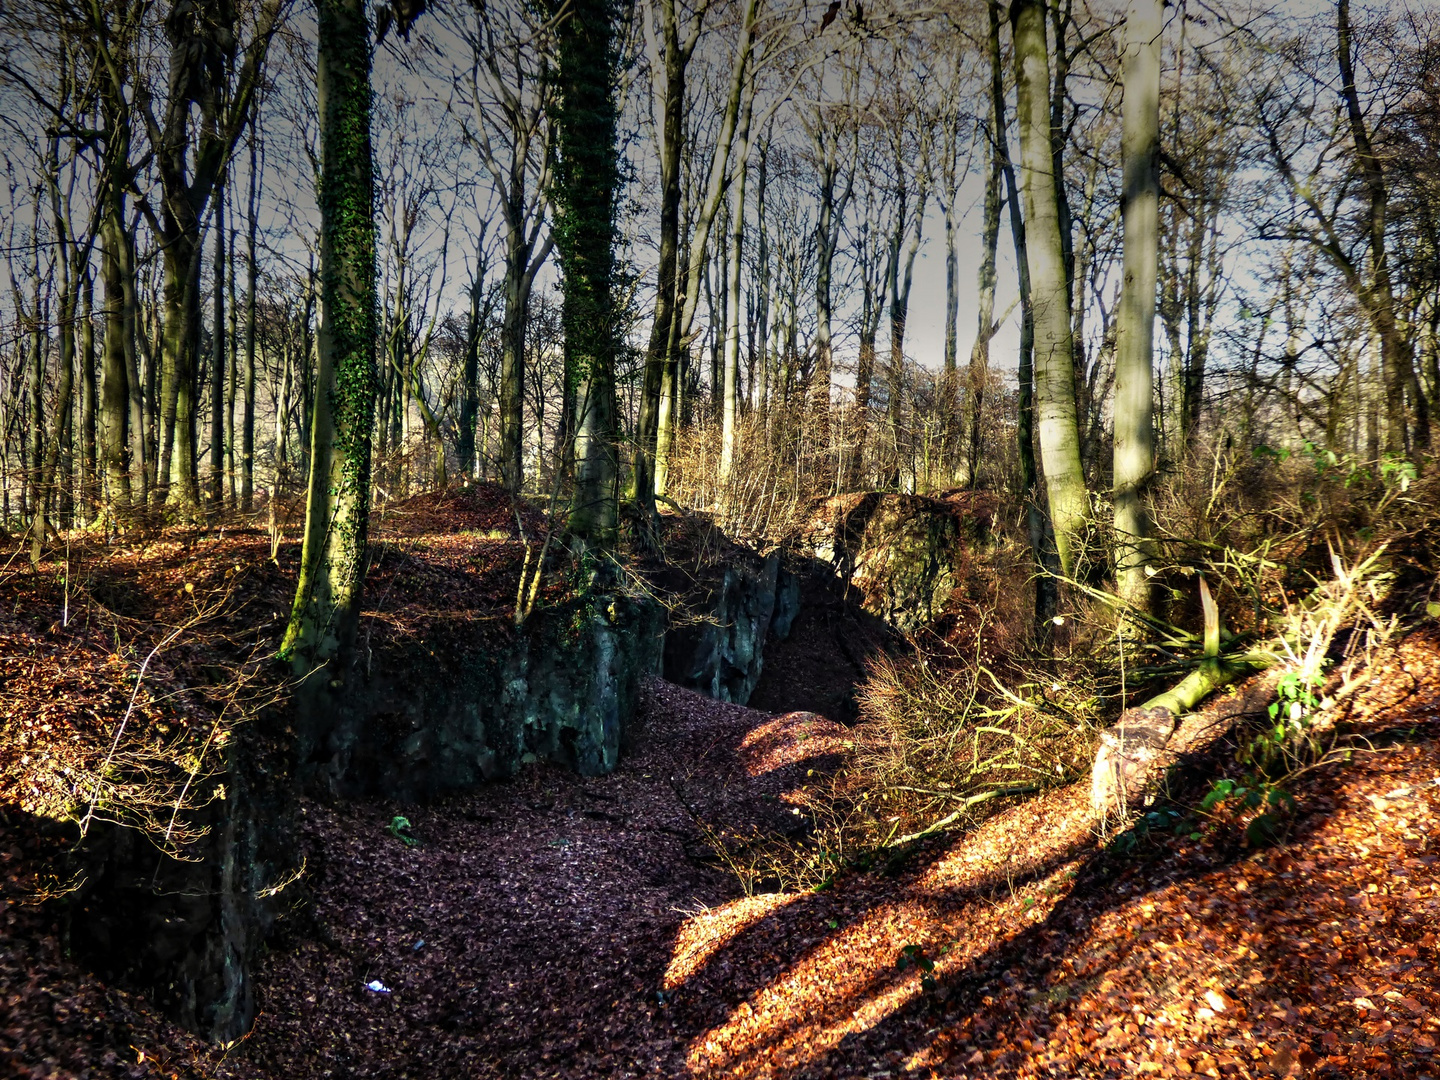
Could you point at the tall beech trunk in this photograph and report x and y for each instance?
(89, 478)
(144, 398)
(252, 275)
(741, 92)
(218, 357)
(730, 401)
(67, 261)
(520, 269)
(949, 385)
(1134, 361)
(1397, 357)
(978, 375)
(1049, 283)
(206, 111)
(1038, 527)
(671, 79)
(326, 612)
(899, 277)
(36, 372)
(465, 444)
(176, 474)
(836, 186)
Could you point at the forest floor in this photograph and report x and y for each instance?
(556, 926)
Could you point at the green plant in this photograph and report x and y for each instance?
(1265, 802)
(913, 956)
(399, 828)
(1293, 714)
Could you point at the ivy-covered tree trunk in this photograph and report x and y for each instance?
(587, 177)
(327, 598)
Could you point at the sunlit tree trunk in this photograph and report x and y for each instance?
(1054, 345)
(1134, 362)
(730, 401)
(1396, 349)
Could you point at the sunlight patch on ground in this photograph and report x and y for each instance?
(790, 740)
(1014, 844)
(703, 934)
(848, 984)
(978, 895)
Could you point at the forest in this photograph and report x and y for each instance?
(719, 538)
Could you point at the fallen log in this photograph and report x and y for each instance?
(1135, 753)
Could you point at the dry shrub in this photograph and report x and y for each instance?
(785, 460)
(944, 738)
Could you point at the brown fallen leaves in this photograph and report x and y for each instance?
(555, 926)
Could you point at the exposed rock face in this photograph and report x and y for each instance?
(188, 931)
(448, 711)
(717, 643)
(903, 553)
(560, 691)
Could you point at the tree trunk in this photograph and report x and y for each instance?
(89, 479)
(1396, 350)
(949, 386)
(67, 261)
(37, 397)
(252, 274)
(218, 357)
(730, 406)
(1134, 362)
(642, 480)
(326, 613)
(512, 368)
(1050, 298)
(179, 346)
(469, 383)
(979, 374)
(587, 182)
(1042, 545)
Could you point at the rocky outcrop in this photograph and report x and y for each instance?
(716, 641)
(188, 930)
(468, 699)
(904, 554)
(561, 690)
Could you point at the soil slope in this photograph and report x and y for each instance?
(555, 926)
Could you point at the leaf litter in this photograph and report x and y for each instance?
(577, 927)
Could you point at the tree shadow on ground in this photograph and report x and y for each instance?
(791, 1008)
